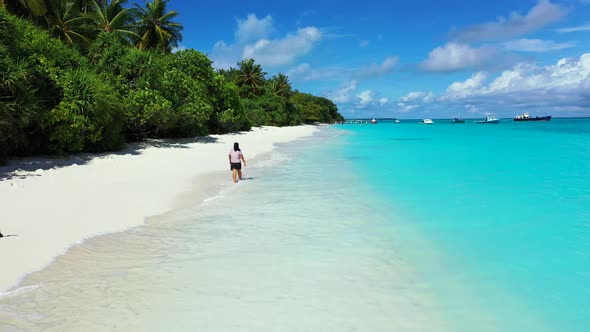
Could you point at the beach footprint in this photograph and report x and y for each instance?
(7, 235)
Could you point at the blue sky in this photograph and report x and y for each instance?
(409, 59)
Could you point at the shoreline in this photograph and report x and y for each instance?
(54, 204)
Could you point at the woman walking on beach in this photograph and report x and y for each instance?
(235, 162)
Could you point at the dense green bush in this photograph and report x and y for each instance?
(194, 64)
(18, 105)
(315, 109)
(86, 115)
(255, 113)
(230, 114)
(294, 114)
(275, 108)
(189, 101)
(147, 114)
(62, 97)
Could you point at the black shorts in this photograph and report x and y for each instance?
(233, 166)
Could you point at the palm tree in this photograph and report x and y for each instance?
(111, 16)
(65, 21)
(31, 7)
(156, 28)
(36, 7)
(280, 85)
(250, 76)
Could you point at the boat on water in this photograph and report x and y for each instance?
(489, 119)
(527, 117)
(396, 121)
(458, 120)
(373, 121)
(427, 121)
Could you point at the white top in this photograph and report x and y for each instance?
(235, 156)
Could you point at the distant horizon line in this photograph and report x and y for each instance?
(369, 119)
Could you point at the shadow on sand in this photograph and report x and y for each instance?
(20, 168)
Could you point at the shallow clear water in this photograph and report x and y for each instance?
(300, 246)
(393, 227)
(506, 208)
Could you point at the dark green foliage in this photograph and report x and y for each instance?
(294, 114)
(18, 106)
(275, 108)
(193, 63)
(316, 109)
(280, 85)
(189, 101)
(90, 88)
(111, 16)
(230, 115)
(65, 21)
(89, 106)
(147, 114)
(255, 112)
(156, 28)
(249, 78)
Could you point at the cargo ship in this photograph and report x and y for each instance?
(527, 117)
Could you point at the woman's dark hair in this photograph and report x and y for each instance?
(237, 147)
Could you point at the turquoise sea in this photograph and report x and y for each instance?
(392, 227)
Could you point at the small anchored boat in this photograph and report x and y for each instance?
(427, 121)
(489, 119)
(458, 120)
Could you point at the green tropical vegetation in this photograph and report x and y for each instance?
(90, 75)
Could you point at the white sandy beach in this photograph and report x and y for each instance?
(51, 207)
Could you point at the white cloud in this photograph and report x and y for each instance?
(347, 97)
(252, 28)
(403, 107)
(301, 70)
(536, 45)
(251, 41)
(179, 48)
(375, 70)
(583, 27)
(471, 86)
(418, 96)
(562, 88)
(344, 94)
(567, 76)
(565, 84)
(304, 72)
(283, 51)
(456, 56)
(413, 100)
(366, 97)
(224, 55)
(472, 108)
(542, 14)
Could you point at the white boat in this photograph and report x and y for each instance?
(427, 121)
(396, 121)
(489, 119)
